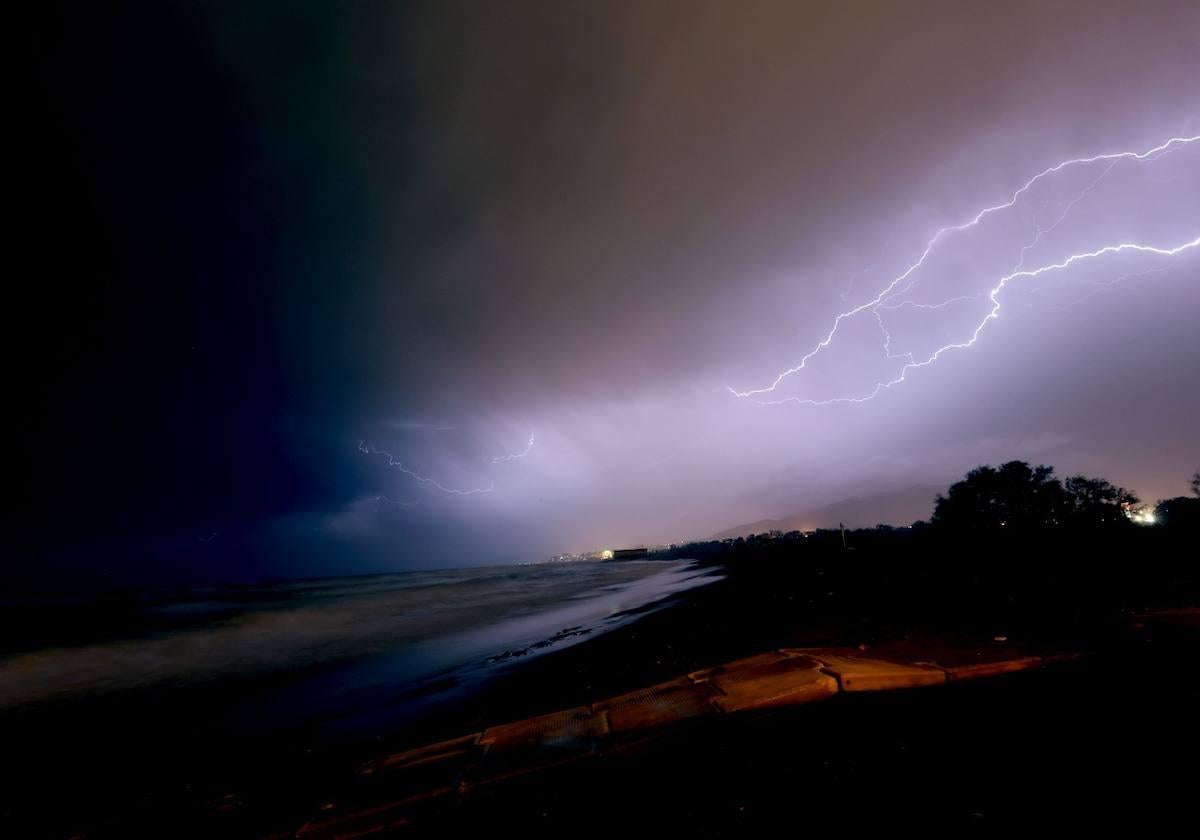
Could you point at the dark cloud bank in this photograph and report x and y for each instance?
(252, 237)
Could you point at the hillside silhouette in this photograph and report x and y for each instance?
(894, 507)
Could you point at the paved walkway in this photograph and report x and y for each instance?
(777, 678)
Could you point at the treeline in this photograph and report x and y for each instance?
(1018, 497)
(1013, 498)
(1007, 545)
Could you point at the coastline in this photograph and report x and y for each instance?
(273, 783)
(274, 737)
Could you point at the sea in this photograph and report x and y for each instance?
(334, 657)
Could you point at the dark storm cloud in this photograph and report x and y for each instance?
(659, 199)
(643, 170)
(441, 227)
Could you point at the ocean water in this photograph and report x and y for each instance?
(339, 655)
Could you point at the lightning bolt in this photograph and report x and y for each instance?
(901, 284)
(499, 459)
(397, 502)
(993, 314)
(395, 463)
(916, 305)
(1108, 284)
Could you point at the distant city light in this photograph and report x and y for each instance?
(1145, 516)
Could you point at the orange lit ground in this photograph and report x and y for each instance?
(457, 769)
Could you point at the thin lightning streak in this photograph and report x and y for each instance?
(1133, 275)
(995, 313)
(887, 340)
(916, 305)
(1037, 237)
(937, 237)
(499, 459)
(1115, 281)
(392, 461)
(1062, 216)
(1107, 284)
(877, 310)
(853, 279)
(397, 502)
(1039, 232)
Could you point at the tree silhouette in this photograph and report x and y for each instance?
(1182, 511)
(1015, 496)
(1095, 503)
(1018, 497)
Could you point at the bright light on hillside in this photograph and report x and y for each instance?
(1143, 516)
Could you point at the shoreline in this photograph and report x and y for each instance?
(266, 784)
(186, 746)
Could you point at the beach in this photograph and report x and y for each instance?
(207, 767)
(177, 694)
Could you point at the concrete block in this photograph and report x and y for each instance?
(979, 670)
(783, 682)
(749, 661)
(570, 727)
(657, 706)
(861, 674)
(456, 748)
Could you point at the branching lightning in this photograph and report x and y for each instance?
(499, 459)
(887, 299)
(992, 315)
(1108, 284)
(395, 463)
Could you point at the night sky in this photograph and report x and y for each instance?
(260, 245)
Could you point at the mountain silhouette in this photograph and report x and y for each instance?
(894, 507)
